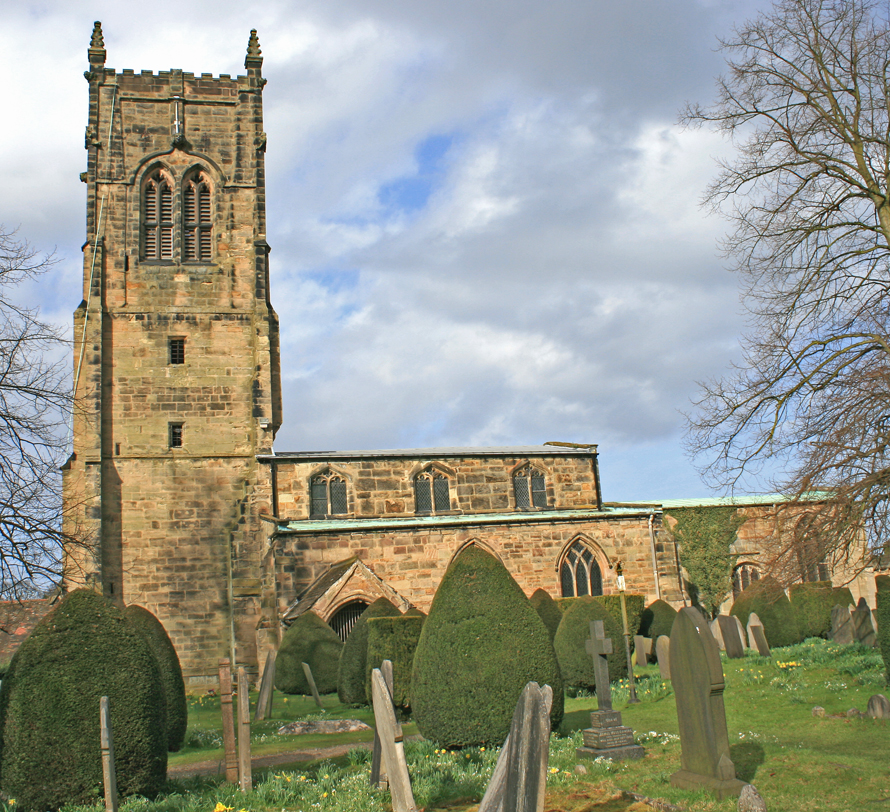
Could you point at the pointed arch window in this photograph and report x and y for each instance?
(431, 492)
(157, 217)
(529, 488)
(580, 573)
(328, 495)
(742, 577)
(197, 225)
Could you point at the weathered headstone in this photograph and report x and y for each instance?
(717, 633)
(663, 653)
(642, 650)
(606, 737)
(228, 719)
(863, 629)
(751, 800)
(841, 625)
(378, 774)
(106, 745)
(753, 620)
(307, 672)
(392, 745)
(244, 766)
(757, 634)
(264, 702)
(742, 634)
(520, 775)
(878, 707)
(732, 641)
(697, 677)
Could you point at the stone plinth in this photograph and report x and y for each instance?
(608, 738)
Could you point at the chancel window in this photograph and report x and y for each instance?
(580, 573)
(431, 494)
(328, 495)
(196, 222)
(742, 577)
(529, 488)
(157, 214)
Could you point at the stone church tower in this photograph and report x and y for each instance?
(176, 360)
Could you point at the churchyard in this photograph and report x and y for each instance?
(832, 762)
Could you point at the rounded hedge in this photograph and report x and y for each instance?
(571, 643)
(657, 619)
(351, 673)
(480, 645)
(547, 610)
(811, 604)
(415, 612)
(171, 672)
(394, 639)
(49, 708)
(308, 640)
(767, 599)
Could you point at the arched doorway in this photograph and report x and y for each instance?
(345, 617)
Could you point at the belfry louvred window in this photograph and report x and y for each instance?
(157, 218)
(197, 229)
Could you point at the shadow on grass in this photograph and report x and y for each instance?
(575, 720)
(747, 757)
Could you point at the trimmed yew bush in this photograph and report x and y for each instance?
(481, 644)
(767, 599)
(547, 610)
(394, 639)
(657, 619)
(811, 604)
(171, 672)
(575, 663)
(842, 596)
(49, 708)
(308, 640)
(351, 673)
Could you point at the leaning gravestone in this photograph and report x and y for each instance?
(717, 632)
(520, 775)
(741, 630)
(663, 654)
(863, 629)
(758, 636)
(606, 737)
(392, 745)
(642, 650)
(878, 707)
(841, 625)
(697, 677)
(753, 621)
(732, 642)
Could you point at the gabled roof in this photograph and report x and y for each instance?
(432, 453)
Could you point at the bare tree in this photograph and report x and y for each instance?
(35, 399)
(806, 101)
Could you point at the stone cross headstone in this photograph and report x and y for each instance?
(717, 633)
(663, 654)
(863, 629)
(606, 737)
(757, 634)
(841, 625)
(392, 745)
(642, 650)
(878, 707)
(732, 641)
(520, 775)
(697, 677)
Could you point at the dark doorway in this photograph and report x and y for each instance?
(344, 618)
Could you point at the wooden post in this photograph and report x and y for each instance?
(378, 774)
(225, 697)
(393, 746)
(311, 680)
(244, 731)
(107, 744)
(267, 683)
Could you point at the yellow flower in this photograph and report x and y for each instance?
(221, 807)
(554, 770)
(324, 795)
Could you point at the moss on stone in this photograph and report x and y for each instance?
(308, 640)
(481, 644)
(351, 673)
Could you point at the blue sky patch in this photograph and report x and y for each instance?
(410, 193)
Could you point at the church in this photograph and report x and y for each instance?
(173, 485)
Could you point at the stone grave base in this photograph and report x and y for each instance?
(608, 738)
(722, 788)
(627, 753)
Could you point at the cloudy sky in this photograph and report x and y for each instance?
(484, 219)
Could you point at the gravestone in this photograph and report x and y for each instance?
(878, 707)
(520, 775)
(378, 774)
(392, 745)
(841, 625)
(697, 677)
(717, 633)
(732, 641)
(606, 737)
(663, 653)
(741, 630)
(642, 650)
(307, 672)
(264, 701)
(863, 629)
(758, 636)
(753, 621)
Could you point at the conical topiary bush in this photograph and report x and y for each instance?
(351, 672)
(768, 601)
(657, 619)
(480, 645)
(811, 604)
(49, 708)
(575, 663)
(308, 640)
(171, 672)
(547, 610)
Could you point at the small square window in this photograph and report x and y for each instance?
(176, 435)
(177, 350)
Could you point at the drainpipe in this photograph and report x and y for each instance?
(654, 559)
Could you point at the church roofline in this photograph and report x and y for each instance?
(573, 450)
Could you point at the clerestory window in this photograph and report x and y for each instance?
(431, 492)
(529, 488)
(328, 495)
(580, 573)
(157, 217)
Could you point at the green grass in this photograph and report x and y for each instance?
(795, 760)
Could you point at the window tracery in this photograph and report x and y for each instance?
(328, 495)
(431, 492)
(580, 572)
(529, 488)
